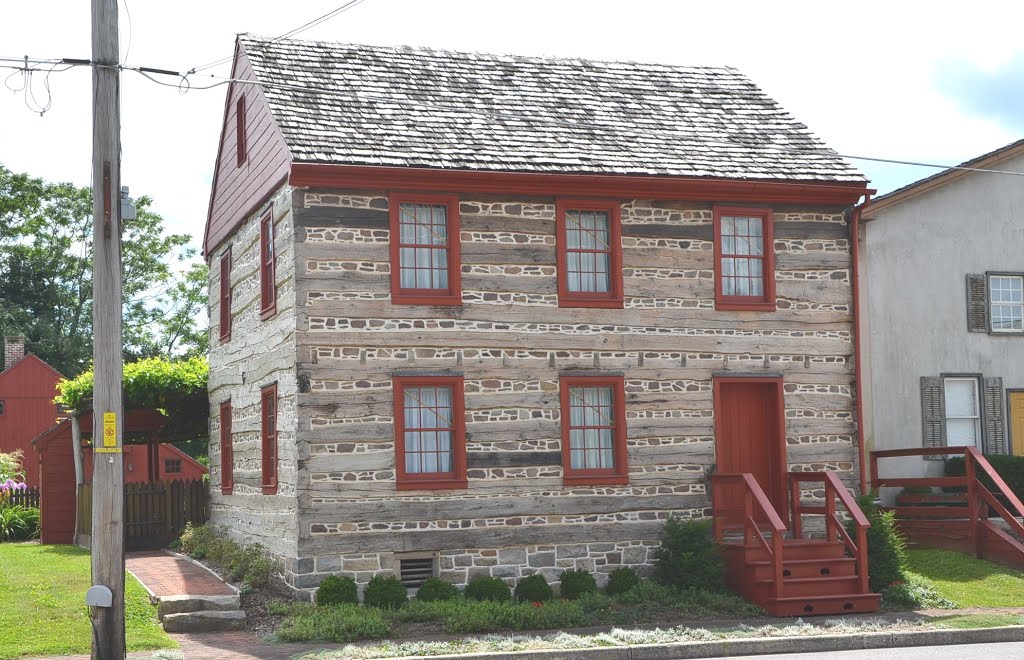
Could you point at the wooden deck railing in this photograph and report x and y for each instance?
(979, 498)
(755, 503)
(835, 530)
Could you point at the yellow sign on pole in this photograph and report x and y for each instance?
(109, 429)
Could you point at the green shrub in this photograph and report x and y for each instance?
(621, 580)
(689, 557)
(887, 547)
(334, 590)
(435, 589)
(492, 616)
(914, 593)
(18, 523)
(483, 587)
(247, 564)
(335, 623)
(385, 592)
(534, 589)
(1009, 468)
(647, 592)
(575, 583)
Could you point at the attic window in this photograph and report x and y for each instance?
(172, 466)
(413, 570)
(240, 146)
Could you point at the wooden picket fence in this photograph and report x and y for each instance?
(28, 497)
(155, 513)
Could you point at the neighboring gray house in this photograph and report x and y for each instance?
(942, 272)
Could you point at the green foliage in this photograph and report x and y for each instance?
(385, 592)
(434, 589)
(18, 523)
(152, 383)
(247, 564)
(576, 583)
(483, 587)
(1010, 468)
(914, 593)
(967, 580)
(10, 466)
(621, 580)
(533, 589)
(887, 547)
(652, 597)
(334, 623)
(689, 557)
(46, 276)
(335, 589)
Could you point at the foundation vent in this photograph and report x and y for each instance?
(412, 571)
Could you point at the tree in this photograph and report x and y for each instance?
(46, 276)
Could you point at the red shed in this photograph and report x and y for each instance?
(58, 492)
(27, 388)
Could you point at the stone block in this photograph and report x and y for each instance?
(634, 555)
(473, 572)
(512, 556)
(571, 551)
(371, 564)
(541, 559)
(329, 564)
(193, 622)
(307, 581)
(505, 571)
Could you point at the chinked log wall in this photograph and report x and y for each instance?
(511, 341)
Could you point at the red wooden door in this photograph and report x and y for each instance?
(749, 436)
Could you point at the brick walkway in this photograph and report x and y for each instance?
(167, 575)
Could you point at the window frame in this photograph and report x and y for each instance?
(616, 476)
(979, 404)
(227, 450)
(177, 462)
(989, 303)
(613, 298)
(413, 296)
(268, 440)
(766, 302)
(224, 319)
(268, 267)
(241, 144)
(432, 480)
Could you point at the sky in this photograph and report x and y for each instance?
(936, 81)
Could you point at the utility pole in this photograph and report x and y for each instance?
(108, 408)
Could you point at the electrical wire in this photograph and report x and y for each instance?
(290, 33)
(128, 50)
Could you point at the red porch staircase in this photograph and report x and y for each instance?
(971, 518)
(777, 568)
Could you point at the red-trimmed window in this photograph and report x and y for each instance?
(589, 253)
(744, 259)
(268, 436)
(227, 450)
(225, 295)
(172, 466)
(430, 432)
(425, 268)
(240, 142)
(268, 281)
(594, 430)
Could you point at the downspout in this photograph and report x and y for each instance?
(858, 385)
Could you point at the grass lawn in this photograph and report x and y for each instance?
(967, 581)
(42, 604)
(967, 621)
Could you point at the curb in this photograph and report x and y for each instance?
(758, 646)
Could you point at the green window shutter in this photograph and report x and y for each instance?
(995, 425)
(977, 302)
(933, 415)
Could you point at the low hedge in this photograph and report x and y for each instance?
(1010, 468)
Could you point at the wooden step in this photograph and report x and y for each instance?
(804, 587)
(822, 605)
(926, 512)
(804, 568)
(792, 549)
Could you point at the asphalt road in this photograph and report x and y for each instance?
(1001, 651)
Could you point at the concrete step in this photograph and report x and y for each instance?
(185, 604)
(204, 621)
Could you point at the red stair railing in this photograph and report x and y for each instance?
(835, 530)
(979, 498)
(722, 512)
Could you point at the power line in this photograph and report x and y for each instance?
(302, 28)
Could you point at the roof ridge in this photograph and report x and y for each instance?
(401, 48)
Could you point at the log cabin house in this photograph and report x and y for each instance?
(477, 314)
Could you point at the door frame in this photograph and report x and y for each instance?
(1009, 421)
(782, 494)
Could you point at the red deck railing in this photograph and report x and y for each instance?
(979, 498)
(755, 503)
(835, 530)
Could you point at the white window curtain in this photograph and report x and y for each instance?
(963, 413)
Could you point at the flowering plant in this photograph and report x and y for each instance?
(11, 474)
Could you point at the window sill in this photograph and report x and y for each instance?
(269, 490)
(225, 338)
(432, 484)
(740, 306)
(427, 300)
(595, 480)
(602, 303)
(268, 313)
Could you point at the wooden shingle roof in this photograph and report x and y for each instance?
(403, 107)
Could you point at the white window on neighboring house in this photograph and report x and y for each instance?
(1006, 303)
(963, 412)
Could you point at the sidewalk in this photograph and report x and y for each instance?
(164, 574)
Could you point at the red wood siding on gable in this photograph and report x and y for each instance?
(239, 188)
(27, 390)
